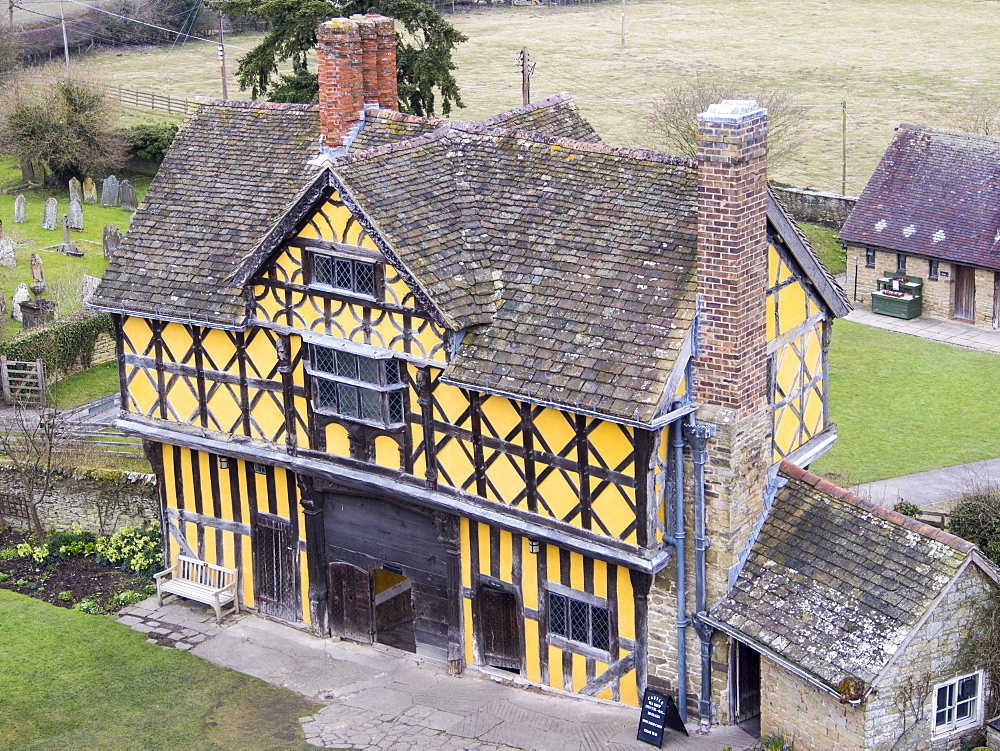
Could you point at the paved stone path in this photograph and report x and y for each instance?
(948, 332)
(936, 488)
(380, 698)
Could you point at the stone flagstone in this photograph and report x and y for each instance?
(20, 210)
(51, 215)
(126, 192)
(75, 214)
(112, 239)
(89, 191)
(109, 191)
(75, 190)
(21, 294)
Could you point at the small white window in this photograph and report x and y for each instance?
(957, 704)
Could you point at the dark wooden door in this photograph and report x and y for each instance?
(745, 671)
(350, 602)
(275, 567)
(499, 628)
(965, 293)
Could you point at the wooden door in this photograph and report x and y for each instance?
(996, 299)
(275, 567)
(499, 629)
(745, 679)
(350, 602)
(965, 293)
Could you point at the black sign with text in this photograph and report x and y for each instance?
(653, 718)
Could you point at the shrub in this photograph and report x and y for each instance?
(976, 518)
(905, 507)
(151, 140)
(89, 605)
(58, 546)
(132, 549)
(65, 596)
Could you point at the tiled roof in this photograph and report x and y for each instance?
(579, 256)
(232, 170)
(835, 583)
(935, 193)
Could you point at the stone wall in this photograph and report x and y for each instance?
(935, 655)
(99, 500)
(829, 209)
(815, 719)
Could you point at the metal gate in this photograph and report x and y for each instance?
(275, 567)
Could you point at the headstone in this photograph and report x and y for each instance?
(50, 216)
(38, 312)
(21, 294)
(89, 191)
(8, 252)
(75, 214)
(112, 239)
(20, 210)
(3, 304)
(88, 288)
(109, 191)
(126, 191)
(66, 246)
(37, 272)
(74, 190)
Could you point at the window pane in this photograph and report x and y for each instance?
(347, 365)
(579, 615)
(557, 615)
(601, 627)
(368, 370)
(967, 687)
(326, 394)
(348, 399)
(323, 269)
(343, 274)
(941, 717)
(364, 281)
(325, 359)
(944, 696)
(392, 371)
(371, 404)
(396, 413)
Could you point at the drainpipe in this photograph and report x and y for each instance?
(697, 434)
(677, 442)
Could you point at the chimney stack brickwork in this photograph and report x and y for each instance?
(357, 66)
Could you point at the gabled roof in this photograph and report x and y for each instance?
(835, 584)
(935, 193)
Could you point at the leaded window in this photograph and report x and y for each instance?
(957, 704)
(358, 387)
(345, 273)
(579, 621)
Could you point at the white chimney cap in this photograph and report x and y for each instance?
(732, 111)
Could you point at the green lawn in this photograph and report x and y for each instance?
(85, 387)
(824, 242)
(74, 681)
(906, 405)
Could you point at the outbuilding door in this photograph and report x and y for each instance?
(965, 293)
(351, 614)
(275, 567)
(499, 628)
(744, 676)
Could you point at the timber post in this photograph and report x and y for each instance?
(312, 510)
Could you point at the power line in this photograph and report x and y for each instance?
(77, 23)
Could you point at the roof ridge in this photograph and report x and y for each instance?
(524, 109)
(402, 117)
(244, 104)
(947, 131)
(886, 514)
(391, 148)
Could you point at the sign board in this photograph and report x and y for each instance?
(658, 711)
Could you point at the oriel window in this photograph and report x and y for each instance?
(358, 387)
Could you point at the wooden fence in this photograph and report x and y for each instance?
(147, 100)
(104, 439)
(22, 382)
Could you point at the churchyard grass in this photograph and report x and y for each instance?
(85, 387)
(905, 404)
(891, 66)
(75, 681)
(824, 242)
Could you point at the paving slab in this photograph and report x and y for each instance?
(950, 332)
(936, 488)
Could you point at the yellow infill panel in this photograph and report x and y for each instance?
(177, 340)
(142, 390)
(773, 266)
(506, 556)
(387, 452)
(304, 579)
(558, 493)
(483, 532)
(138, 335)
(463, 527)
(338, 442)
(612, 506)
(503, 417)
(558, 430)
(182, 400)
(613, 443)
(505, 474)
(791, 306)
(451, 404)
(533, 669)
(529, 578)
(626, 610)
(579, 673)
(455, 459)
(470, 657)
(224, 408)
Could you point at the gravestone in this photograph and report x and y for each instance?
(126, 192)
(75, 214)
(21, 294)
(66, 246)
(38, 312)
(112, 239)
(3, 304)
(89, 191)
(20, 210)
(8, 252)
(88, 288)
(74, 190)
(109, 192)
(51, 214)
(37, 274)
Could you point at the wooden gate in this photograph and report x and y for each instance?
(499, 628)
(22, 382)
(965, 293)
(744, 670)
(275, 567)
(351, 614)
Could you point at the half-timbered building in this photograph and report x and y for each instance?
(479, 390)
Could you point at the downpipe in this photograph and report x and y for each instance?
(677, 444)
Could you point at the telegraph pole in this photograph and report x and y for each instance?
(10, 8)
(527, 67)
(222, 60)
(623, 24)
(62, 16)
(843, 148)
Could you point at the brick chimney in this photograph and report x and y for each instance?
(357, 66)
(732, 255)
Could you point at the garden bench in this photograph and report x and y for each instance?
(199, 581)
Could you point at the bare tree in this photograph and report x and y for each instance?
(10, 52)
(32, 437)
(980, 114)
(674, 118)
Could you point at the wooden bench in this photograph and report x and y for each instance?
(199, 581)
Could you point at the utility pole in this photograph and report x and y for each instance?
(10, 8)
(222, 60)
(623, 24)
(62, 16)
(843, 148)
(527, 68)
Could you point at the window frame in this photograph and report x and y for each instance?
(385, 388)
(900, 263)
(567, 639)
(347, 254)
(933, 268)
(955, 725)
(869, 258)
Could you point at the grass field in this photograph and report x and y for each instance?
(891, 63)
(905, 405)
(69, 680)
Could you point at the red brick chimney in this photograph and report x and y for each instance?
(357, 66)
(732, 255)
